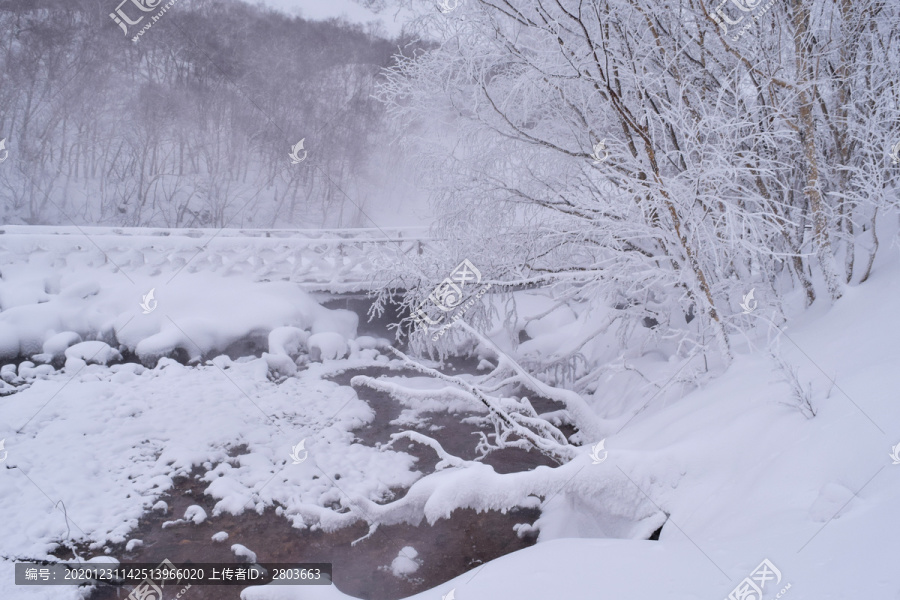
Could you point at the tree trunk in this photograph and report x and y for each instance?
(822, 241)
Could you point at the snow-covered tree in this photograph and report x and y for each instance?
(653, 155)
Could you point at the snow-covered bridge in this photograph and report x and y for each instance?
(338, 260)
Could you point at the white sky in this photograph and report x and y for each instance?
(326, 9)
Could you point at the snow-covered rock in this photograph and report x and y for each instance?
(219, 536)
(126, 372)
(405, 563)
(42, 358)
(327, 346)
(288, 341)
(58, 343)
(280, 365)
(195, 514)
(28, 371)
(240, 550)
(9, 375)
(81, 290)
(93, 352)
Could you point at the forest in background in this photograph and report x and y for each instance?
(192, 124)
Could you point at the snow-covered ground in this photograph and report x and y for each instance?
(742, 474)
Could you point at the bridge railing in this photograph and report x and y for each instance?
(337, 260)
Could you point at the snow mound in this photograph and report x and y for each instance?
(327, 346)
(240, 550)
(287, 340)
(197, 314)
(81, 290)
(280, 365)
(405, 563)
(195, 514)
(94, 352)
(8, 374)
(59, 343)
(29, 372)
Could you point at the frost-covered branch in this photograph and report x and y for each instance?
(447, 459)
(582, 415)
(539, 434)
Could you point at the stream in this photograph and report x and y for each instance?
(446, 549)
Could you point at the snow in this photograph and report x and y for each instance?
(92, 353)
(280, 365)
(202, 309)
(195, 514)
(327, 346)
(367, 342)
(732, 468)
(405, 563)
(200, 323)
(28, 371)
(743, 476)
(57, 344)
(287, 340)
(129, 430)
(8, 372)
(243, 551)
(220, 536)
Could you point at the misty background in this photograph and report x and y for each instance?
(191, 125)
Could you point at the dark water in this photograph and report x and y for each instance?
(447, 549)
(455, 436)
(378, 326)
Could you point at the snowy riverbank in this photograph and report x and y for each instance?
(741, 474)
